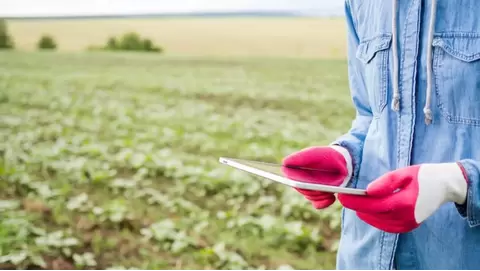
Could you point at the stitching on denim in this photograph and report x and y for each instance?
(456, 53)
(382, 240)
(471, 211)
(377, 37)
(414, 81)
(470, 208)
(439, 54)
(367, 49)
(392, 258)
(400, 81)
(457, 34)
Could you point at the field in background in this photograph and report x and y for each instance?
(280, 37)
(111, 160)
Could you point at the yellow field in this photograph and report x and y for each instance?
(291, 37)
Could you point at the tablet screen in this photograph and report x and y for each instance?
(307, 175)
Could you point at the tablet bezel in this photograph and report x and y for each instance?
(290, 182)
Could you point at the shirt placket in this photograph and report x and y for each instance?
(408, 52)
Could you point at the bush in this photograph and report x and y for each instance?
(112, 43)
(149, 47)
(46, 42)
(130, 41)
(6, 41)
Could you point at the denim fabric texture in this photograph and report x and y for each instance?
(382, 139)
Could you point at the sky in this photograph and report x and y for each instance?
(36, 8)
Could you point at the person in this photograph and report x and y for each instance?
(414, 144)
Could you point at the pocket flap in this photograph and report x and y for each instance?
(368, 48)
(463, 46)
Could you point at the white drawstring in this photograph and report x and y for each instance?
(396, 91)
(426, 110)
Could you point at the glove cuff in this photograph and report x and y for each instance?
(348, 163)
(438, 184)
(459, 187)
(451, 177)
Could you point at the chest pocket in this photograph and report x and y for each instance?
(374, 54)
(456, 70)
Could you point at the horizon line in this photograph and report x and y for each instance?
(179, 14)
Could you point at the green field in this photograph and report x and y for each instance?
(111, 160)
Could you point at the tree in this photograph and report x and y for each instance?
(6, 41)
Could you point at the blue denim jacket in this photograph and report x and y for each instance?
(415, 83)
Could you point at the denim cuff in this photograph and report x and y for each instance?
(355, 153)
(471, 208)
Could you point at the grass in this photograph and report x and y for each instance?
(111, 160)
(247, 37)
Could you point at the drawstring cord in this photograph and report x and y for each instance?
(426, 110)
(396, 91)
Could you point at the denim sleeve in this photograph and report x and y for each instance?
(353, 140)
(471, 208)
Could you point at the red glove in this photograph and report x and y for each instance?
(401, 200)
(332, 166)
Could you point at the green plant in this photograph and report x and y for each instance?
(130, 179)
(46, 42)
(6, 41)
(24, 243)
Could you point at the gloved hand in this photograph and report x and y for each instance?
(334, 167)
(401, 200)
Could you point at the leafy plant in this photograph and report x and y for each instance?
(169, 238)
(84, 260)
(18, 235)
(223, 258)
(120, 176)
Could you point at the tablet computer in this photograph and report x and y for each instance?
(277, 173)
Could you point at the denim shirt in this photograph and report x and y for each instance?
(382, 139)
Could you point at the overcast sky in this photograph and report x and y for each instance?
(14, 8)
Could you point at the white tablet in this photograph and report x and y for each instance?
(276, 172)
